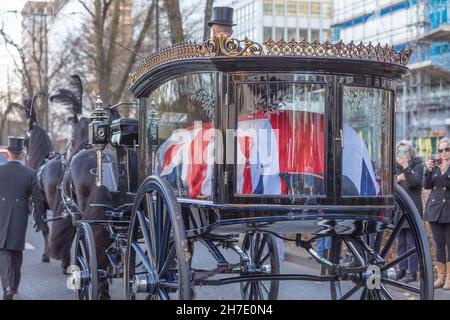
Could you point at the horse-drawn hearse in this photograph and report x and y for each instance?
(239, 143)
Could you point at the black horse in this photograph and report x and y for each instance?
(52, 173)
(80, 184)
(75, 174)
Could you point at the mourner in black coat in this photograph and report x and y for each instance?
(409, 170)
(17, 184)
(438, 205)
(437, 210)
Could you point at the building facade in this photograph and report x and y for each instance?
(423, 99)
(260, 20)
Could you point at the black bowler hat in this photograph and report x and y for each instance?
(15, 144)
(222, 16)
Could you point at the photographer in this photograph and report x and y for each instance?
(437, 212)
(409, 170)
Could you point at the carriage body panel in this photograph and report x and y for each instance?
(318, 114)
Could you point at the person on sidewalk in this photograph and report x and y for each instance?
(409, 170)
(17, 184)
(437, 211)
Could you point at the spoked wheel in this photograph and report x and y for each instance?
(378, 253)
(157, 262)
(262, 251)
(86, 261)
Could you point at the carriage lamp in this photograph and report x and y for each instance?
(99, 128)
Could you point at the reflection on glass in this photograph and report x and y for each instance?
(280, 138)
(366, 154)
(185, 108)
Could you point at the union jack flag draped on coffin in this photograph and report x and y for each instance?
(272, 147)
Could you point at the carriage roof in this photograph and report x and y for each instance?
(227, 54)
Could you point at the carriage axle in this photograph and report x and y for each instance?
(145, 283)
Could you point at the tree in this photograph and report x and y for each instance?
(31, 62)
(112, 58)
(208, 13)
(172, 8)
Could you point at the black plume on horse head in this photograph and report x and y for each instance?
(72, 97)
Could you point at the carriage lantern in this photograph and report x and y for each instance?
(98, 134)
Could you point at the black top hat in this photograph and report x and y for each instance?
(15, 144)
(222, 16)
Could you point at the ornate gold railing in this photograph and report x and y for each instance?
(226, 46)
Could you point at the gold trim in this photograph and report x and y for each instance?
(225, 46)
(221, 45)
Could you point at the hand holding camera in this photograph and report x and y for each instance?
(433, 163)
(430, 165)
(436, 162)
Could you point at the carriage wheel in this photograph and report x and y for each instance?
(86, 261)
(381, 246)
(262, 250)
(157, 242)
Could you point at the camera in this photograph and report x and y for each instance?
(436, 162)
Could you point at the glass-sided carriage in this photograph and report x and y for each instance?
(240, 143)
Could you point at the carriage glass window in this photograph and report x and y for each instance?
(366, 155)
(180, 134)
(280, 138)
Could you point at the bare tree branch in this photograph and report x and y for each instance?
(87, 8)
(112, 46)
(208, 12)
(172, 8)
(23, 68)
(132, 58)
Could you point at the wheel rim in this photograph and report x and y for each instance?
(155, 243)
(383, 244)
(86, 260)
(262, 250)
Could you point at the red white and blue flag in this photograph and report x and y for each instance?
(270, 146)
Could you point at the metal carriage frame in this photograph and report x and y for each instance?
(163, 228)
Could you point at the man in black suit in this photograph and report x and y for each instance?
(17, 184)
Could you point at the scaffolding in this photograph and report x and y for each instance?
(423, 99)
(423, 113)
